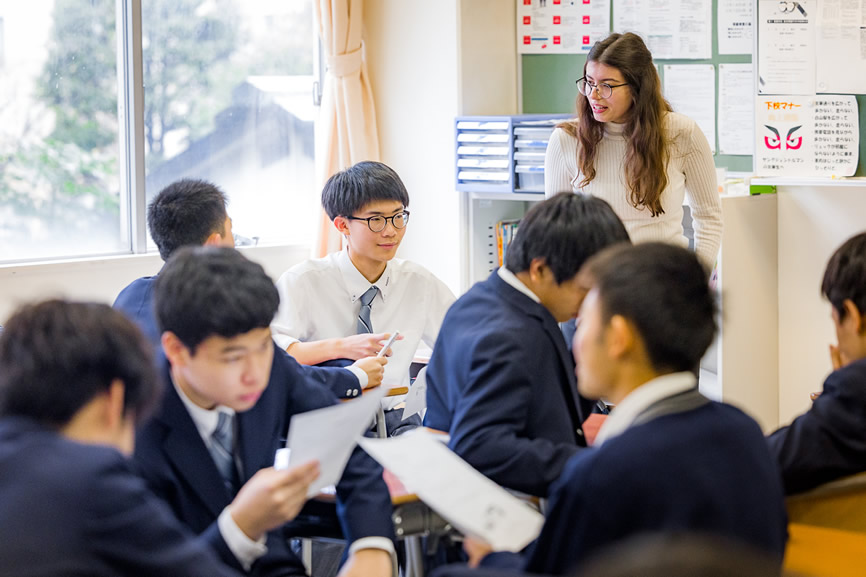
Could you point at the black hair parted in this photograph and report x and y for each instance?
(350, 190)
(213, 291)
(56, 356)
(663, 290)
(564, 230)
(186, 213)
(845, 275)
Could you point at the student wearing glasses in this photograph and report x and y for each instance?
(628, 147)
(345, 305)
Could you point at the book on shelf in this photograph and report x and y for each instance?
(505, 231)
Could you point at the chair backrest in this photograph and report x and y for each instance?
(840, 504)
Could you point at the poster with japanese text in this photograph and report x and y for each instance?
(786, 47)
(670, 28)
(841, 31)
(734, 26)
(561, 26)
(807, 135)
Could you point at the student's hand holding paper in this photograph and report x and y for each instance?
(271, 498)
(477, 550)
(364, 345)
(375, 369)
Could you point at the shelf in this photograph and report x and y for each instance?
(512, 196)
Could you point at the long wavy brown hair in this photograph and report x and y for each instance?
(647, 146)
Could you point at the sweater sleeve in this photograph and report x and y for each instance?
(703, 196)
(560, 163)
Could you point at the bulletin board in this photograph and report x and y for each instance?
(548, 86)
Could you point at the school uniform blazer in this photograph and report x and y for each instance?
(501, 383)
(705, 471)
(828, 441)
(172, 457)
(136, 301)
(73, 509)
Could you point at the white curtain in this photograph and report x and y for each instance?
(346, 132)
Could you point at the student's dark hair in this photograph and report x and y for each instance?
(564, 230)
(186, 213)
(56, 356)
(350, 190)
(663, 290)
(680, 555)
(213, 291)
(845, 275)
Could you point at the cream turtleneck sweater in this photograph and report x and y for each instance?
(691, 177)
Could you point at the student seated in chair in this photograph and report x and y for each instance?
(209, 449)
(75, 379)
(192, 212)
(828, 441)
(345, 305)
(501, 380)
(666, 460)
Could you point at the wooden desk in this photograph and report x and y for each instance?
(821, 552)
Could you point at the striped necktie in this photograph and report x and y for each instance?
(364, 324)
(222, 451)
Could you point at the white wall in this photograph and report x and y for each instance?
(101, 279)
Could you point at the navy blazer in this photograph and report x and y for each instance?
(828, 441)
(136, 301)
(501, 382)
(706, 471)
(73, 509)
(171, 455)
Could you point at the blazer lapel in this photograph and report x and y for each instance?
(186, 451)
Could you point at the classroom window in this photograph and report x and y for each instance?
(226, 97)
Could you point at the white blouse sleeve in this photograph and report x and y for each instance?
(560, 162)
(702, 192)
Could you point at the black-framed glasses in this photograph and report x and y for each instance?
(604, 89)
(377, 223)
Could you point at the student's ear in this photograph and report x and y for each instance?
(620, 337)
(341, 223)
(853, 317)
(538, 270)
(114, 412)
(175, 351)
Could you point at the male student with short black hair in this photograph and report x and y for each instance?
(75, 379)
(501, 379)
(667, 460)
(828, 441)
(209, 449)
(192, 212)
(343, 306)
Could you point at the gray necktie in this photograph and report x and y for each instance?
(222, 451)
(364, 324)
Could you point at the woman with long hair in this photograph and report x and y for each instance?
(628, 147)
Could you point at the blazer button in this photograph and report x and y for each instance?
(348, 392)
(355, 392)
(579, 432)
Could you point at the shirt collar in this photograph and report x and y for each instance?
(205, 419)
(357, 284)
(511, 279)
(640, 399)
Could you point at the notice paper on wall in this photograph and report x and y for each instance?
(841, 42)
(561, 26)
(471, 502)
(735, 30)
(807, 135)
(786, 47)
(670, 28)
(736, 109)
(691, 90)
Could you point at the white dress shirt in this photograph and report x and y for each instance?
(511, 279)
(318, 301)
(639, 400)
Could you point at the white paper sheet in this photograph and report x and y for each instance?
(447, 484)
(841, 46)
(416, 398)
(807, 135)
(670, 28)
(691, 90)
(736, 109)
(735, 28)
(561, 26)
(786, 47)
(328, 435)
